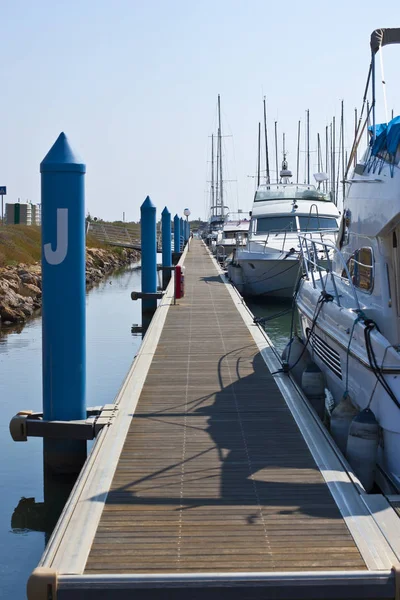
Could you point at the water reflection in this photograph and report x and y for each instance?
(32, 502)
(30, 515)
(277, 329)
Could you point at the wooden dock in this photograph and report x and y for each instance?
(216, 475)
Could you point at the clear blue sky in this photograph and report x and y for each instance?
(134, 86)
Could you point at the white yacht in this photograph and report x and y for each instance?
(269, 263)
(350, 313)
(234, 234)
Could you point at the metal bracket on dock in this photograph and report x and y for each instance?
(147, 295)
(27, 423)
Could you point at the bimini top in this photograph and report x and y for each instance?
(383, 37)
(387, 137)
(269, 192)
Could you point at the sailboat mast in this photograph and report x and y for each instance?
(308, 146)
(355, 135)
(326, 156)
(212, 175)
(266, 143)
(298, 151)
(319, 159)
(276, 151)
(221, 188)
(343, 156)
(334, 159)
(259, 155)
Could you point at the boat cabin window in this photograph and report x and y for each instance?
(277, 224)
(315, 223)
(361, 269)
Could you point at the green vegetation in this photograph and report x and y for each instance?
(21, 244)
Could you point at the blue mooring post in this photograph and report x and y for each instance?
(63, 302)
(181, 233)
(148, 228)
(166, 246)
(184, 231)
(177, 234)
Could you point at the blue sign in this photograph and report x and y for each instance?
(3, 190)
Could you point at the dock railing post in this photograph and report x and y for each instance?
(148, 227)
(166, 246)
(63, 303)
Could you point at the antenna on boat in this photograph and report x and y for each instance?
(308, 146)
(319, 158)
(326, 155)
(221, 188)
(266, 143)
(298, 152)
(343, 157)
(259, 154)
(212, 174)
(285, 174)
(355, 136)
(334, 159)
(276, 151)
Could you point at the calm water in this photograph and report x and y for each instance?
(110, 350)
(278, 329)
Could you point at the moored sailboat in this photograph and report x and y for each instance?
(217, 208)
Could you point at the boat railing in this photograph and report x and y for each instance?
(277, 232)
(315, 270)
(220, 254)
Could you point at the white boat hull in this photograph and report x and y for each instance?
(328, 347)
(255, 276)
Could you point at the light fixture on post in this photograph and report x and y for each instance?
(186, 212)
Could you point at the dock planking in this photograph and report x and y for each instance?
(214, 474)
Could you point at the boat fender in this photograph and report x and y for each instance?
(313, 384)
(341, 418)
(362, 447)
(296, 357)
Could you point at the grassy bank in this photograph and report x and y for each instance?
(21, 244)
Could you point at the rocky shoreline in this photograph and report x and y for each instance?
(21, 285)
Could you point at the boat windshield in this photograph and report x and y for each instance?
(267, 224)
(289, 192)
(289, 223)
(316, 223)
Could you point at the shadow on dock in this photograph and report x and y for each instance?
(239, 442)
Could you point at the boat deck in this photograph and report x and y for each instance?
(215, 469)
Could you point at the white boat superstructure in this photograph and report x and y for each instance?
(233, 235)
(269, 264)
(350, 312)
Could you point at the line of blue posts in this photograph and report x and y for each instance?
(64, 288)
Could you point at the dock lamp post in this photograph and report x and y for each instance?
(186, 212)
